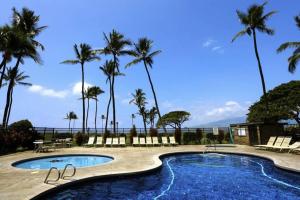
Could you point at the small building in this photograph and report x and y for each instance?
(255, 133)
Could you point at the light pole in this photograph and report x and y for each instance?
(103, 118)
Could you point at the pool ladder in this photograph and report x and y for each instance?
(60, 175)
(209, 146)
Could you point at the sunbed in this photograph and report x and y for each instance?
(99, 141)
(135, 141)
(285, 143)
(172, 141)
(149, 141)
(269, 144)
(108, 141)
(122, 141)
(90, 142)
(155, 141)
(165, 141)
(115, 141)
(142, 141)
(291, 147)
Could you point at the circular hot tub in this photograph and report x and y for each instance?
(60, 161)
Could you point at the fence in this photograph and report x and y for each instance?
(119, 131)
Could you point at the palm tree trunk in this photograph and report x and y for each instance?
(144, 121)
(83, 99)
(113, 94)
(3, 64)
(108, 105)
(96, 115)
(260, 70)
(87, 113)
(10, 104)
(152, 88)
(10, 87)
(70, 124)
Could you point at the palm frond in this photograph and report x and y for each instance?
(72, 62)
(264, 29)
(286, 45)
(154, 53)
(134, 62)
(293, 61)
(239, 34)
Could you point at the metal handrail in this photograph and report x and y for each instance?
(74, 171)
(52, 168)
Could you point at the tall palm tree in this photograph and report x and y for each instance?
(142, 53)
(14, 77)
(25, 28)
(83, 55)
(74, 117)
(294, 59)
(96, 91)
(116, 45)
(139, 99)
(108, 70)
(255, 20)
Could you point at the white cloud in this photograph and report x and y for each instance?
(125, 101)
(76, 89)
(48, 92)
(230, 109)
(208, 42)
(216, 48)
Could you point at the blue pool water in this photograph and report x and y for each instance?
(195, 176)
(61, 161)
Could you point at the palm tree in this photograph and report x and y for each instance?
(142, 53)
(116, 46)
(132, 118)
(88, 94)
(294, 59)
(83, 54)
(139, 99)
(96, 91)
(108, 70)
(70, 116)
(74, 117)
(25, 29)
(152, 115)
(255, 20)
(15, 78)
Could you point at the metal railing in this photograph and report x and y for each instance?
(49, 172)
(62, 176)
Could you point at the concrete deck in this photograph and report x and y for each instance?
(25, 184)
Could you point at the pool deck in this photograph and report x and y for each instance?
(22, 184)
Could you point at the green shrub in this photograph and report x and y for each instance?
(132, 133)
(210, 137)
(153, 132)
(227, 137)
(81, 138)
(199, 135)
(221, 136)
(177, 135)
(22, 125)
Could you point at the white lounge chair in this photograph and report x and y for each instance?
(90, 141)
(122, 141)
(165, 141)
(115, 141)
(172, 141)
(149, 141)
(278, 142)
(99, 141)
(155, 141)
(285, 143)
(270, 143)
(135, 141)
(142, 141)
(108, 141)
(293, 147)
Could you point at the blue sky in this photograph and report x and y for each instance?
(199, 69)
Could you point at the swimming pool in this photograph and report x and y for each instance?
(61, 160)
(195, 176)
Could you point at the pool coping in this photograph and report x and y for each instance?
(152, 161)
